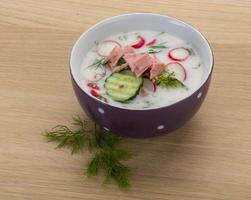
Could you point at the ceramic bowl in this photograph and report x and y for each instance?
(133, 122)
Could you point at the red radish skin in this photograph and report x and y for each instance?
(143, 92)
(149, 85)
(139, 44)
(95, 93)
(178, 58)
(151, 43)
(102, 43)
(178, 66)
(154, 87)
(93, 86)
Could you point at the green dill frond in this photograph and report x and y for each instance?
(94, 166)
(153, 51)
(108, 140)
(75, 140)
(121, 155)
(110, 162)
(157, 48)
(86, 135)
(77, 121)
(161, 45)
(167, 80)
(97, 63)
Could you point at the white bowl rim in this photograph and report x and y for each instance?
(153, 14)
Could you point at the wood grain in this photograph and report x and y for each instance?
(209, 158)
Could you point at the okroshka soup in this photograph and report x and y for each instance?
(141, 69)
(141, 74)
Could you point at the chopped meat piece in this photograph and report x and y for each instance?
(130, 59)
(138, 63)
(157, 67)
(142, 64)
(128, 50)
(114, 57)
(119, 68)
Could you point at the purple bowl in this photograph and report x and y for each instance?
(133, 122)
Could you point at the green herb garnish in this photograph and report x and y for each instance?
(97, 63)
(121, 61)
(190, 51)
(123, 37)
(88, 136)
(153, 51)
(167, 80)
(198, 66)
(157, 48)
(160, 33)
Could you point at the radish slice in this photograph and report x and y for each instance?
(149, 85)
(104, 48)
(95, 93)
(143, 92)
(179, 54)
(94, 73)
(139, 44)
(93, 86)
(178, 70)
(151, 43)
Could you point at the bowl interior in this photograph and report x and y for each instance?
(143, 21)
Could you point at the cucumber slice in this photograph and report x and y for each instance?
(123, 86)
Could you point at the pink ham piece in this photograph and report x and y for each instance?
(157, 67)
(128, 50)
(113, 58)
(130, 59)
(138, 63)
(129, 56)
(119, 68)
(142, 63)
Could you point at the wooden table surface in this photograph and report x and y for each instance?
(209, 158)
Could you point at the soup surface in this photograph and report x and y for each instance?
(141, 70)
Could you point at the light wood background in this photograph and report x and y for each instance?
(209, 158)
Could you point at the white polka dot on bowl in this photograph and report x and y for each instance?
(199, 95)
(107, 129)
(101, 110)
(160, 127)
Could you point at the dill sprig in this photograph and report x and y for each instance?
(88, 136)
(153, 51)
(97, 63)
(168, 80)
(123, 37)
(160, 46)
(157, 48)
(161, 33)
(110, 161)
